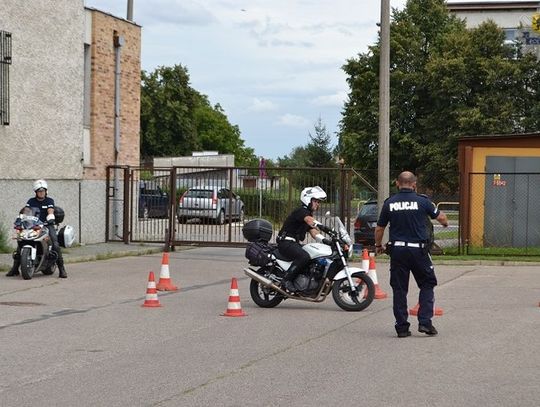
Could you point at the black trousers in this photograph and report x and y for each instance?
(293, 251)
(403, 261)
(55, 246)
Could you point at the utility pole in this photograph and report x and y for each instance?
(129, 10)
(383, 190)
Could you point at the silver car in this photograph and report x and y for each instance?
(210, 202)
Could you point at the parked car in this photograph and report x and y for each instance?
(364, 225)
(153, 201)
(210, 203)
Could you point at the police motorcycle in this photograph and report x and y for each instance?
(327, 271)
(35, 243)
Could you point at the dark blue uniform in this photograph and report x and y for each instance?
(42, 205)
(408, 245)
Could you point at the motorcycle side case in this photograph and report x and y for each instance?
(66, 236)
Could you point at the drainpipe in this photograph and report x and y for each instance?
(118, 43)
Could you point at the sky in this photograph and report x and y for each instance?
(274, 66)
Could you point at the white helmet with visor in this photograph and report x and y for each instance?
(40, 183)
(310, 193)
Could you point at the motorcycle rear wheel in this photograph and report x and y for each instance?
(263, 296)
(364, 294)
(27, 265)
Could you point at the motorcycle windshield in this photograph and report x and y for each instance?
(29, 221)
(343, 231)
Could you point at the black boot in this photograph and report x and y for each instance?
(15, 268)
(61, 270)
(288, 280)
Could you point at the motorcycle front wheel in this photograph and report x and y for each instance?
(357, 300)
(27, 265)
(263, 296)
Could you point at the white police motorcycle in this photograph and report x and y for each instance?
(327, 271)
(35, 243)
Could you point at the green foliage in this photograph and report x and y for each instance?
(445, 82)
(167, 110)
(275, 205)
(176, 119)
(316, 154)
(319, 150)
(4, 239)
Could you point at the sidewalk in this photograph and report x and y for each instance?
(96, 251)
(100, 251)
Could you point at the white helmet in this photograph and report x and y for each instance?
(312, 192)
(40, 183)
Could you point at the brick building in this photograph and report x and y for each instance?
(72, 89)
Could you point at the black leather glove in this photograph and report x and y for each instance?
(327, 241)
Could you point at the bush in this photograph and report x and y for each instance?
(274, 207)
(4, 240)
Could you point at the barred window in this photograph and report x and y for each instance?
(5, 62)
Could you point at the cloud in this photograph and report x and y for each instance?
(291, 120)
(260, 105)
(337, 99)
(174, 12)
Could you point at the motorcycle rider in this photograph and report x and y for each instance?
(294, 230)
(45, 204)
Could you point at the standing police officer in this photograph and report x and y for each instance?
(408, 248)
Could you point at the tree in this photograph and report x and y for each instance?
(167, 107)
(214, 132)
(446, 82)
(319, 149)
(317, 153)
(176, 119)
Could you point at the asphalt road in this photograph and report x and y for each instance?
(86, 341)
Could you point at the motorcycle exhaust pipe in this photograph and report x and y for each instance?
(264, 281)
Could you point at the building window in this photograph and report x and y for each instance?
(5, 62)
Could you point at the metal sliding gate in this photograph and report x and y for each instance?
(142, 203)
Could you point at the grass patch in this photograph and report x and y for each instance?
(447, 234)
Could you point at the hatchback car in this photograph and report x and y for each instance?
(364, 225)
(210, 203)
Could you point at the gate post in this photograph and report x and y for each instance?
(127, 201)
(342, 191)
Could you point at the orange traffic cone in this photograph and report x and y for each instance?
(151, 299)
(365, 260)
(436, 310)
(372, 273)
(165, 283)
(234, 309)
